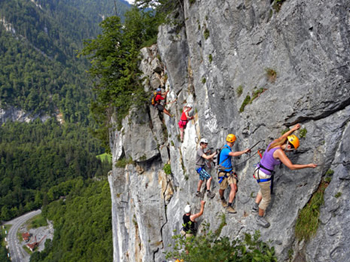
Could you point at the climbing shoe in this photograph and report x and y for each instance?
(210, 194)
(231, 210)
(198, 194)
(223, 202)
(261, 221)
(255, 208)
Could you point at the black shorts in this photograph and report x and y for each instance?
(160, 107)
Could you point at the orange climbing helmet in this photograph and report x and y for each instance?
(231, 138)
(294, 141)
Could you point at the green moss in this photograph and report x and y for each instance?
(337, 195)
(206, 17)
(210, 58)
(277, 5)
(172, 143)
(143, 158)
(329, 172)
(121, 163)
(167, 169)
(256, 93)
(302, 133)
(222, 224)
(307, 222)
(245, 102)
(192, 1)
(204, 80)
(206, 33)
(239, 90)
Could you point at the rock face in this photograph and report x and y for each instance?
(294, 65)
(17, 115)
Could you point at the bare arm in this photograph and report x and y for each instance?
(285, 135)
(208, 156)
(238, 153)
(188, 117)
(165, 93)
(194, 216)
(279, 153)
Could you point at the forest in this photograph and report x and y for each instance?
(36, 157)
(82, 223)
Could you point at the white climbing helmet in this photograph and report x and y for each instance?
(187, 209)
(203, 140)
(189, 105)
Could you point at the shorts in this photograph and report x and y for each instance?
(226, 181)
(187, 235)
(203, 174)
(265, 189)
(182, 123)
(160, 107)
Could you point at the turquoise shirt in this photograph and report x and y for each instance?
(225, 158)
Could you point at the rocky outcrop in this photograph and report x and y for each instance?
(294, 65)
(17, 115)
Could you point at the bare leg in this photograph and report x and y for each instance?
(221, 193)
(200, 182)
(208, 183)
(232, 193)
(182, 134)
(261, 212)
(166, 112)
(258, 198)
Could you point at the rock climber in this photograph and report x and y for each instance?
(184, 119)
(273, 156)
(200, 168)
(159, 97)
(226, 176)
(189, 220)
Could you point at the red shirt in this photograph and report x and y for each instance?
(159, 97)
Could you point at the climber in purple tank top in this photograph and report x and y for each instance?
(273, 156)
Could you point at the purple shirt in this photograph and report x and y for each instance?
(268, 160)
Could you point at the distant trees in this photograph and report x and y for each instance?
(83, 224)
(37, 161)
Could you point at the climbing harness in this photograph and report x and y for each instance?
(221, 178)
(265, 179)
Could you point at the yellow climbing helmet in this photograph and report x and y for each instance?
(293, 140)
(231, 138)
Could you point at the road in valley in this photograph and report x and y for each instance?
(17, 253)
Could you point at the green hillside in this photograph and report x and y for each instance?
(39, 68)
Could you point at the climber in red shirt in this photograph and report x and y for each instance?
(159, 97)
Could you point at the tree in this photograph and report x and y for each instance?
(208, 246)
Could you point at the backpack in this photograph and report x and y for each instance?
(218, 164)
(152, 99)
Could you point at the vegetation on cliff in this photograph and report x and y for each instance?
(114, 57)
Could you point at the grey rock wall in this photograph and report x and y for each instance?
(307, 44)
(14, 114)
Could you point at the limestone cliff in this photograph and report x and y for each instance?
(295, 63)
